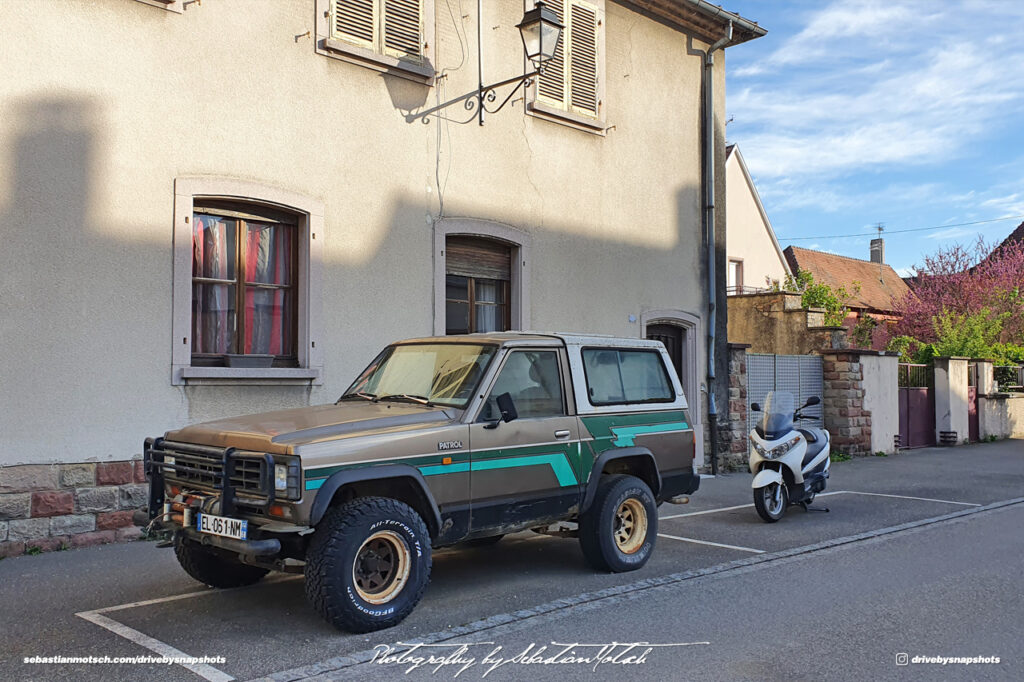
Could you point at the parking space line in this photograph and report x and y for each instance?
(706, 511)
(205, 671)
(713, 544)
(908, 497)
(187, 595)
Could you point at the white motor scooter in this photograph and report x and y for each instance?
(790, 465)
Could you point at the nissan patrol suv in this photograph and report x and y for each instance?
(439, 441)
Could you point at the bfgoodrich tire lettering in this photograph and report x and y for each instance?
(618, 531)
(368, 564)
(212, 569)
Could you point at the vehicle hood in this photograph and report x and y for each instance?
(279, 432)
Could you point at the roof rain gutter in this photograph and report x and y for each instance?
(709, 227)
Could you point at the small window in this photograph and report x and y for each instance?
(735, 283)
(625, 376)
(533, 381)
(571, 80)
(477, 283)
(244, 264)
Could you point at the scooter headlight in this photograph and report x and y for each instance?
(778, 450)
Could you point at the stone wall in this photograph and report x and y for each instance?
(845, 418)
(46, 507)
(732, 429)
(776, 322)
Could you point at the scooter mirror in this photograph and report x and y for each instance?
(755, 407)
(813, 400)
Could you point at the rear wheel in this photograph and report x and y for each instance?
(618, 530)
(771, 501)
(368, 564)
(213, 569)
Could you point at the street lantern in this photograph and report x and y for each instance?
(540, 30)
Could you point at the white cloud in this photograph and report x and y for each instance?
(952, 233)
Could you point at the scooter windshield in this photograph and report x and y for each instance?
(778, 414)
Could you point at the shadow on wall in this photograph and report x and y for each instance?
(87, 316)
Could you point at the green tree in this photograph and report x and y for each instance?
(819, 295)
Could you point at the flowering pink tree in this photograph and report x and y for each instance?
(965, 281)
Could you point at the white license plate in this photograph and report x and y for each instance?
(223, 526)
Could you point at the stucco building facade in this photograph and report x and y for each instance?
(181, 182)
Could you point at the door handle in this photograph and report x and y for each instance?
(563, 434)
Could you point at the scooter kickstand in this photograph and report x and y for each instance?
(816, 509)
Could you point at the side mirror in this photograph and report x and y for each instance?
(507, 407)
(813, 400)
(754, 407)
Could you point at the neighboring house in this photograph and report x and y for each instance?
(188, 190)
(876, 290)
(755, 257)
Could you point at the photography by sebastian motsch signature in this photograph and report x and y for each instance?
(458, 657)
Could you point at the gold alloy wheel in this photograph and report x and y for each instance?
(630, 526)
(381, 567)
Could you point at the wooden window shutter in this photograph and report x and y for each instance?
(403, 27)
(354, 21)
(583, 59)
(475, 257)
(552, 85)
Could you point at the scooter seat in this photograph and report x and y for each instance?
(812, 434)
(814, 445)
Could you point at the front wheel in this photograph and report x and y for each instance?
(368, 564)
(771, 501)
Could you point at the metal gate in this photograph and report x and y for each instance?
(917, 405)
(972, 402)
(801, 375)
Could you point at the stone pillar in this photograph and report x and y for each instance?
(951, 398)
(879, 370)
(986, 377)
(733, 440)
(843, 402)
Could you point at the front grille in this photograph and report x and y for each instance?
(203, 466)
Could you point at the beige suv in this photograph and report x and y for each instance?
(439, 441)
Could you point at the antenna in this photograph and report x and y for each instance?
(881, 250)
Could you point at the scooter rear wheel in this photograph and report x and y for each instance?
(771, 501)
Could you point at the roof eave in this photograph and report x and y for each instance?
(708, 21)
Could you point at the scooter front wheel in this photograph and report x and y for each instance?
(771, 501)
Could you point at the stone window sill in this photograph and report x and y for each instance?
(245, 376)
(171, 5)
(339, 49)
(568, 118)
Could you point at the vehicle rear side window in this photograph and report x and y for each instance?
(617, 376)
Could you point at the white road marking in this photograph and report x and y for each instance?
(713, 544)
(908, 497)
(187, 595)
(205, 671)
(706, 511)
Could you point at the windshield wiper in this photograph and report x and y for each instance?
(407, 396)
(357, 394)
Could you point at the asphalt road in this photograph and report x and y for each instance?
(770, 599)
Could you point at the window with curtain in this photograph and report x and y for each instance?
(243, 284)
(477, 279)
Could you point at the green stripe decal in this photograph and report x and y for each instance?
(624, 435)
(557, 462)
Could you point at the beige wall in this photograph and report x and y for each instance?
(1001, 415)
(750, 233)
(105, 103)
(881, 398)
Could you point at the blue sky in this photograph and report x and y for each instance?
(909, 113)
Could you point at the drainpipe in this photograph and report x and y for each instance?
(709, 225)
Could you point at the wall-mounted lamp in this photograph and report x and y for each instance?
(540, 31)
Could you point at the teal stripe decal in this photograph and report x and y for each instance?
(557, 462)
(624, 435)
(313, 485)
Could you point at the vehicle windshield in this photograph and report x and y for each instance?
(441, 373)
(779, 407)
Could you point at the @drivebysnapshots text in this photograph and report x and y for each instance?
(457, 657)
(907, 659)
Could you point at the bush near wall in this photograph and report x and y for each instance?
(46, 507)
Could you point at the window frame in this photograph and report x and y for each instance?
(506, 290)
(542, 107)
(737, 285)
(619, 349)
(377, 56)
(176, 6)
(563, 381)
(190, 190)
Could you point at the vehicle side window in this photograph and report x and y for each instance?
(534, 382)
(625, 376)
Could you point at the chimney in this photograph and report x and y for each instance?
(878, 250)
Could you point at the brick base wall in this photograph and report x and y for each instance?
(847, 421)
(732, 427)
(45, 507)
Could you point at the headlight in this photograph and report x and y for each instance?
(778, 450)
(168, 459)
(280, 477)
(287, 472)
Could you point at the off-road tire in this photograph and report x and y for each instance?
(601, 526)
(343, 536)
(213, 569)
